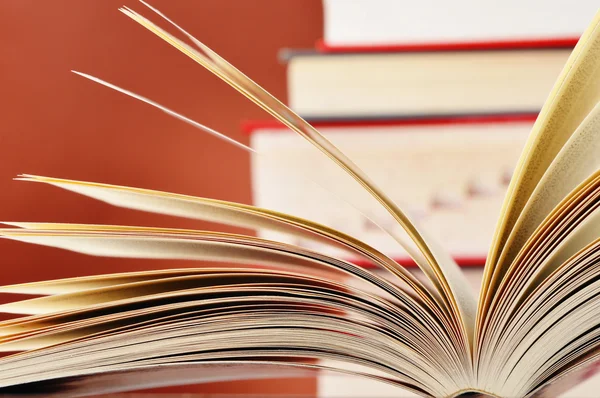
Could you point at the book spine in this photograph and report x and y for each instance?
(251, 126)
(516, 44)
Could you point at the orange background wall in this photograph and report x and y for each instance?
(57, 124)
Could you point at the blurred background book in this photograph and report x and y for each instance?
(375, 25)
(433, 99)
(450, 175)
(412, 83)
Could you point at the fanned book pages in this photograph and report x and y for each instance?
(287, 310)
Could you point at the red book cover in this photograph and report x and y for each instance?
(558, 42)
(250, 126)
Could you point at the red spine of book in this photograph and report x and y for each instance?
(249, 126)
(558, 42)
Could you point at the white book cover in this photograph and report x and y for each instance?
(396, 22)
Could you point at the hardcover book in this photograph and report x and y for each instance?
(429, 84)
(376, 25)
(449, 175)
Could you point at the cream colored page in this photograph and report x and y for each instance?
(79, 300)
(578, 380)
(433, 261)
(567, 323)
(201, 246)
(216, 279)
(572, 323)
(311, 342)
(102, 313)
(78, 284)
(587, 232)
(427, 262)
(273, 319)
(101, 296)
(83, 313)
(572, 98)
(550, 292)
(232, 214)
(577, 160)
(108, 304)
(457, 298)
(162, 342)
(554, 229)
(569, 245)
(87, 231)
(171, 347)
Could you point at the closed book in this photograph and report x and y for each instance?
(432, 83)
(450, 174)
(389, 24)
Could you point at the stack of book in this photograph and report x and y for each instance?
(433, 103)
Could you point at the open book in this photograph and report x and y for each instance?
(286, 310)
